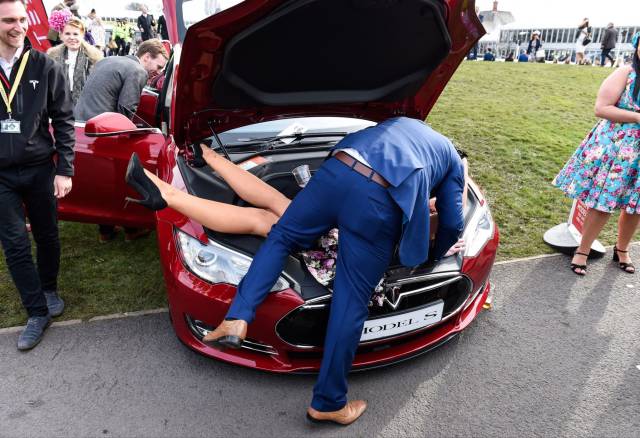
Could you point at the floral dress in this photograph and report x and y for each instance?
(321, 261)
(603, 171)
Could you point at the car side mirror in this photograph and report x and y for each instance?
(110, 124)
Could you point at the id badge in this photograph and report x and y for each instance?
(10, 126)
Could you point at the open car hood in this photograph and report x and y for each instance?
(268, 59)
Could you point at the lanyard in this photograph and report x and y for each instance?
(16, 84)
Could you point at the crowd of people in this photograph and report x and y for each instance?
(535, 52)
(119, 38)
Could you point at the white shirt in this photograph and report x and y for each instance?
(355, 154)
(71, 64)
(8, 66)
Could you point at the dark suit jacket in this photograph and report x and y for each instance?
(146, 25)
(609, 39)
(162, 28)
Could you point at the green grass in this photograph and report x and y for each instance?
(519, 124)
(96, 279)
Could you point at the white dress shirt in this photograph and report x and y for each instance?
(71, 65)
(8, 66)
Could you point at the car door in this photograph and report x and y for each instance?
(99, 188)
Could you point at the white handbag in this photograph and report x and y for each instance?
(540, 53)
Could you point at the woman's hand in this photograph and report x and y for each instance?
(456, 248)
(207, 152)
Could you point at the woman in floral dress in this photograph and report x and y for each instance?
(603, 171)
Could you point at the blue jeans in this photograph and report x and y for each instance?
(369, 222)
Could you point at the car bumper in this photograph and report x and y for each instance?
(195, 305)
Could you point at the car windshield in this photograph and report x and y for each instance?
(296, 129)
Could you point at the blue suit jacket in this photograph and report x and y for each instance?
(417, 161)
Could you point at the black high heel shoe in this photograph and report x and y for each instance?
(574, 266)
(195, 158)
(624, 266)
(141, 183)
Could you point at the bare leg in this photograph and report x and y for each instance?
(217, 216)
(249, 187)
(627, 225)
(593, 224)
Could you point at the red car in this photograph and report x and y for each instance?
(245, 77)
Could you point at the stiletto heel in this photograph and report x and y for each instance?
(135, 177)
(622, 265)
(574, 266)
(196, 159)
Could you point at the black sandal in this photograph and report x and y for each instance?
(624, 266)
(574, 266)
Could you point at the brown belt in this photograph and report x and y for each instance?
(361, 168)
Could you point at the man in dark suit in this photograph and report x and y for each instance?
(375, 189)
(609, 41)
(146, 24)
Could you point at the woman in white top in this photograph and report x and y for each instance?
(584, 31)
(76, 55)
(96, 28)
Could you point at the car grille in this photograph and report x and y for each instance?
(305, 326)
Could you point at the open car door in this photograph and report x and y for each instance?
(103, 148)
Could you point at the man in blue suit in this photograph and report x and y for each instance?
(375, 189)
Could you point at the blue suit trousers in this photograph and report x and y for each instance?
(369, 222)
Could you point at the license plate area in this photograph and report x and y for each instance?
(394, 325)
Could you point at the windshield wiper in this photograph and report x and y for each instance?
(277, 140)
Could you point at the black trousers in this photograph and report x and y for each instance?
(30, 188)
(606, 53)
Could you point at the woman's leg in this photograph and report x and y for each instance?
(217, 216)
(627, 225)
(249, 187)
(593, 224)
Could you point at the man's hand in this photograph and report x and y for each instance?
(456, 248)
(61, 186)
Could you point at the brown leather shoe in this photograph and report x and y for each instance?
(229, 334)
(345, 416)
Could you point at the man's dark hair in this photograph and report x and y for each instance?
(153, 47)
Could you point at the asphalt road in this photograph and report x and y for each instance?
(558, 356)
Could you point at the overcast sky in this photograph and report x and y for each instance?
(541, 13)
(555, 13)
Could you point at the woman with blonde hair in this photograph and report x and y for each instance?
(76, 56)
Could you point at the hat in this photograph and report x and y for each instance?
(59, 19)
(536, 32)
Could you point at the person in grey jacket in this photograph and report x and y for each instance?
(115, 85)
(608, 44)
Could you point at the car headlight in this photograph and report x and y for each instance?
(478, 231)
(215, 263)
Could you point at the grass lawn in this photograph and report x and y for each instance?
(519, 124)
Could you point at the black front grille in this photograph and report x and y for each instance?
(306, 325)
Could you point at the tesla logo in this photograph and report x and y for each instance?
(34, 83)
(392, 296)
